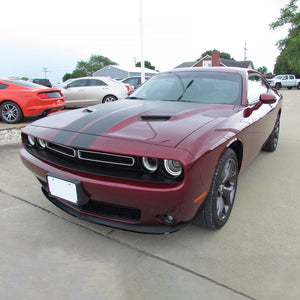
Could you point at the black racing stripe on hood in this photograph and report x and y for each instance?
(84, 131)
(87, 138)
(97, 112)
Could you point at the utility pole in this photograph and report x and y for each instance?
(45, 70)
(245, 52)
(134, 61)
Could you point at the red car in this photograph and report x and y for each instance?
(167, 155)
(19, 98)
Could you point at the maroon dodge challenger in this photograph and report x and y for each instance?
(167, 155)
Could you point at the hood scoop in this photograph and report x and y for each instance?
(148, 118)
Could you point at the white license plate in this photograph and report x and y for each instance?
(63, 189)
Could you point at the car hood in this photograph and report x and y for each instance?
(165, 123)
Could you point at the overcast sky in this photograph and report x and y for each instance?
(56, 34)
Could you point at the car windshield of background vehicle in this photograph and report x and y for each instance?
(201, 87)
(23, 83)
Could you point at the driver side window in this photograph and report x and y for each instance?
(256, 87)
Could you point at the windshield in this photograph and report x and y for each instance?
(202, 87)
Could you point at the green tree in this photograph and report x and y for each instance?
(289, 59)
(66, 77)
(147, 65)
(222, 54)
(87, 68)
(263, 70)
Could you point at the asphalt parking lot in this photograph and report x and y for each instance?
(47, 254)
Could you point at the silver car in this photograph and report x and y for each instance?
(86, 91)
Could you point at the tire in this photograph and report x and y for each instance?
(272, 141)
(278, 86)
(298, 86)
(109, 98)
(218, 204)
(10, 112)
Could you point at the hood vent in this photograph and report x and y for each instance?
(88, 110)
(154, 118)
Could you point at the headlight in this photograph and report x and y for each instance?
(42, 143)
(173, 167)
(31, 140)
(150, 164)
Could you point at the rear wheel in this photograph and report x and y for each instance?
(109, 98)
(10, 112)
(218, 204)
(272, 141)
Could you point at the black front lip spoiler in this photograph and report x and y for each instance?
(154, 229)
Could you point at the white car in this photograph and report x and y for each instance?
(86, 91)
(288, 81)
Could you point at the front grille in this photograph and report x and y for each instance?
(93, 156)
(98, 209)
(64, 150)
(112, 211)
(96, 162)
(108, 158)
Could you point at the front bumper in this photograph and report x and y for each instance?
(82, 215)
(123, 204)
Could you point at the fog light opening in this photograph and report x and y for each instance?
(168, 219)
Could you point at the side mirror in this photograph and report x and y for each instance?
(267, 98)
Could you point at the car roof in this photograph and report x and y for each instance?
(241, 71)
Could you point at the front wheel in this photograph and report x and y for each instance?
(10, 112)
(218, 204)
(277, 86)
(109, 98)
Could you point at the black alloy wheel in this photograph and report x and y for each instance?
(272, 142)
(219, 201)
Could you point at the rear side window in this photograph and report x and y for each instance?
(95, 82)
(3, 86)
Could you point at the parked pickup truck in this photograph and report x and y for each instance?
(288, 81)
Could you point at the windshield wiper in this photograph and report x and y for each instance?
(187, 87)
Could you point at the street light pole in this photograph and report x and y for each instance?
(142, 43)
